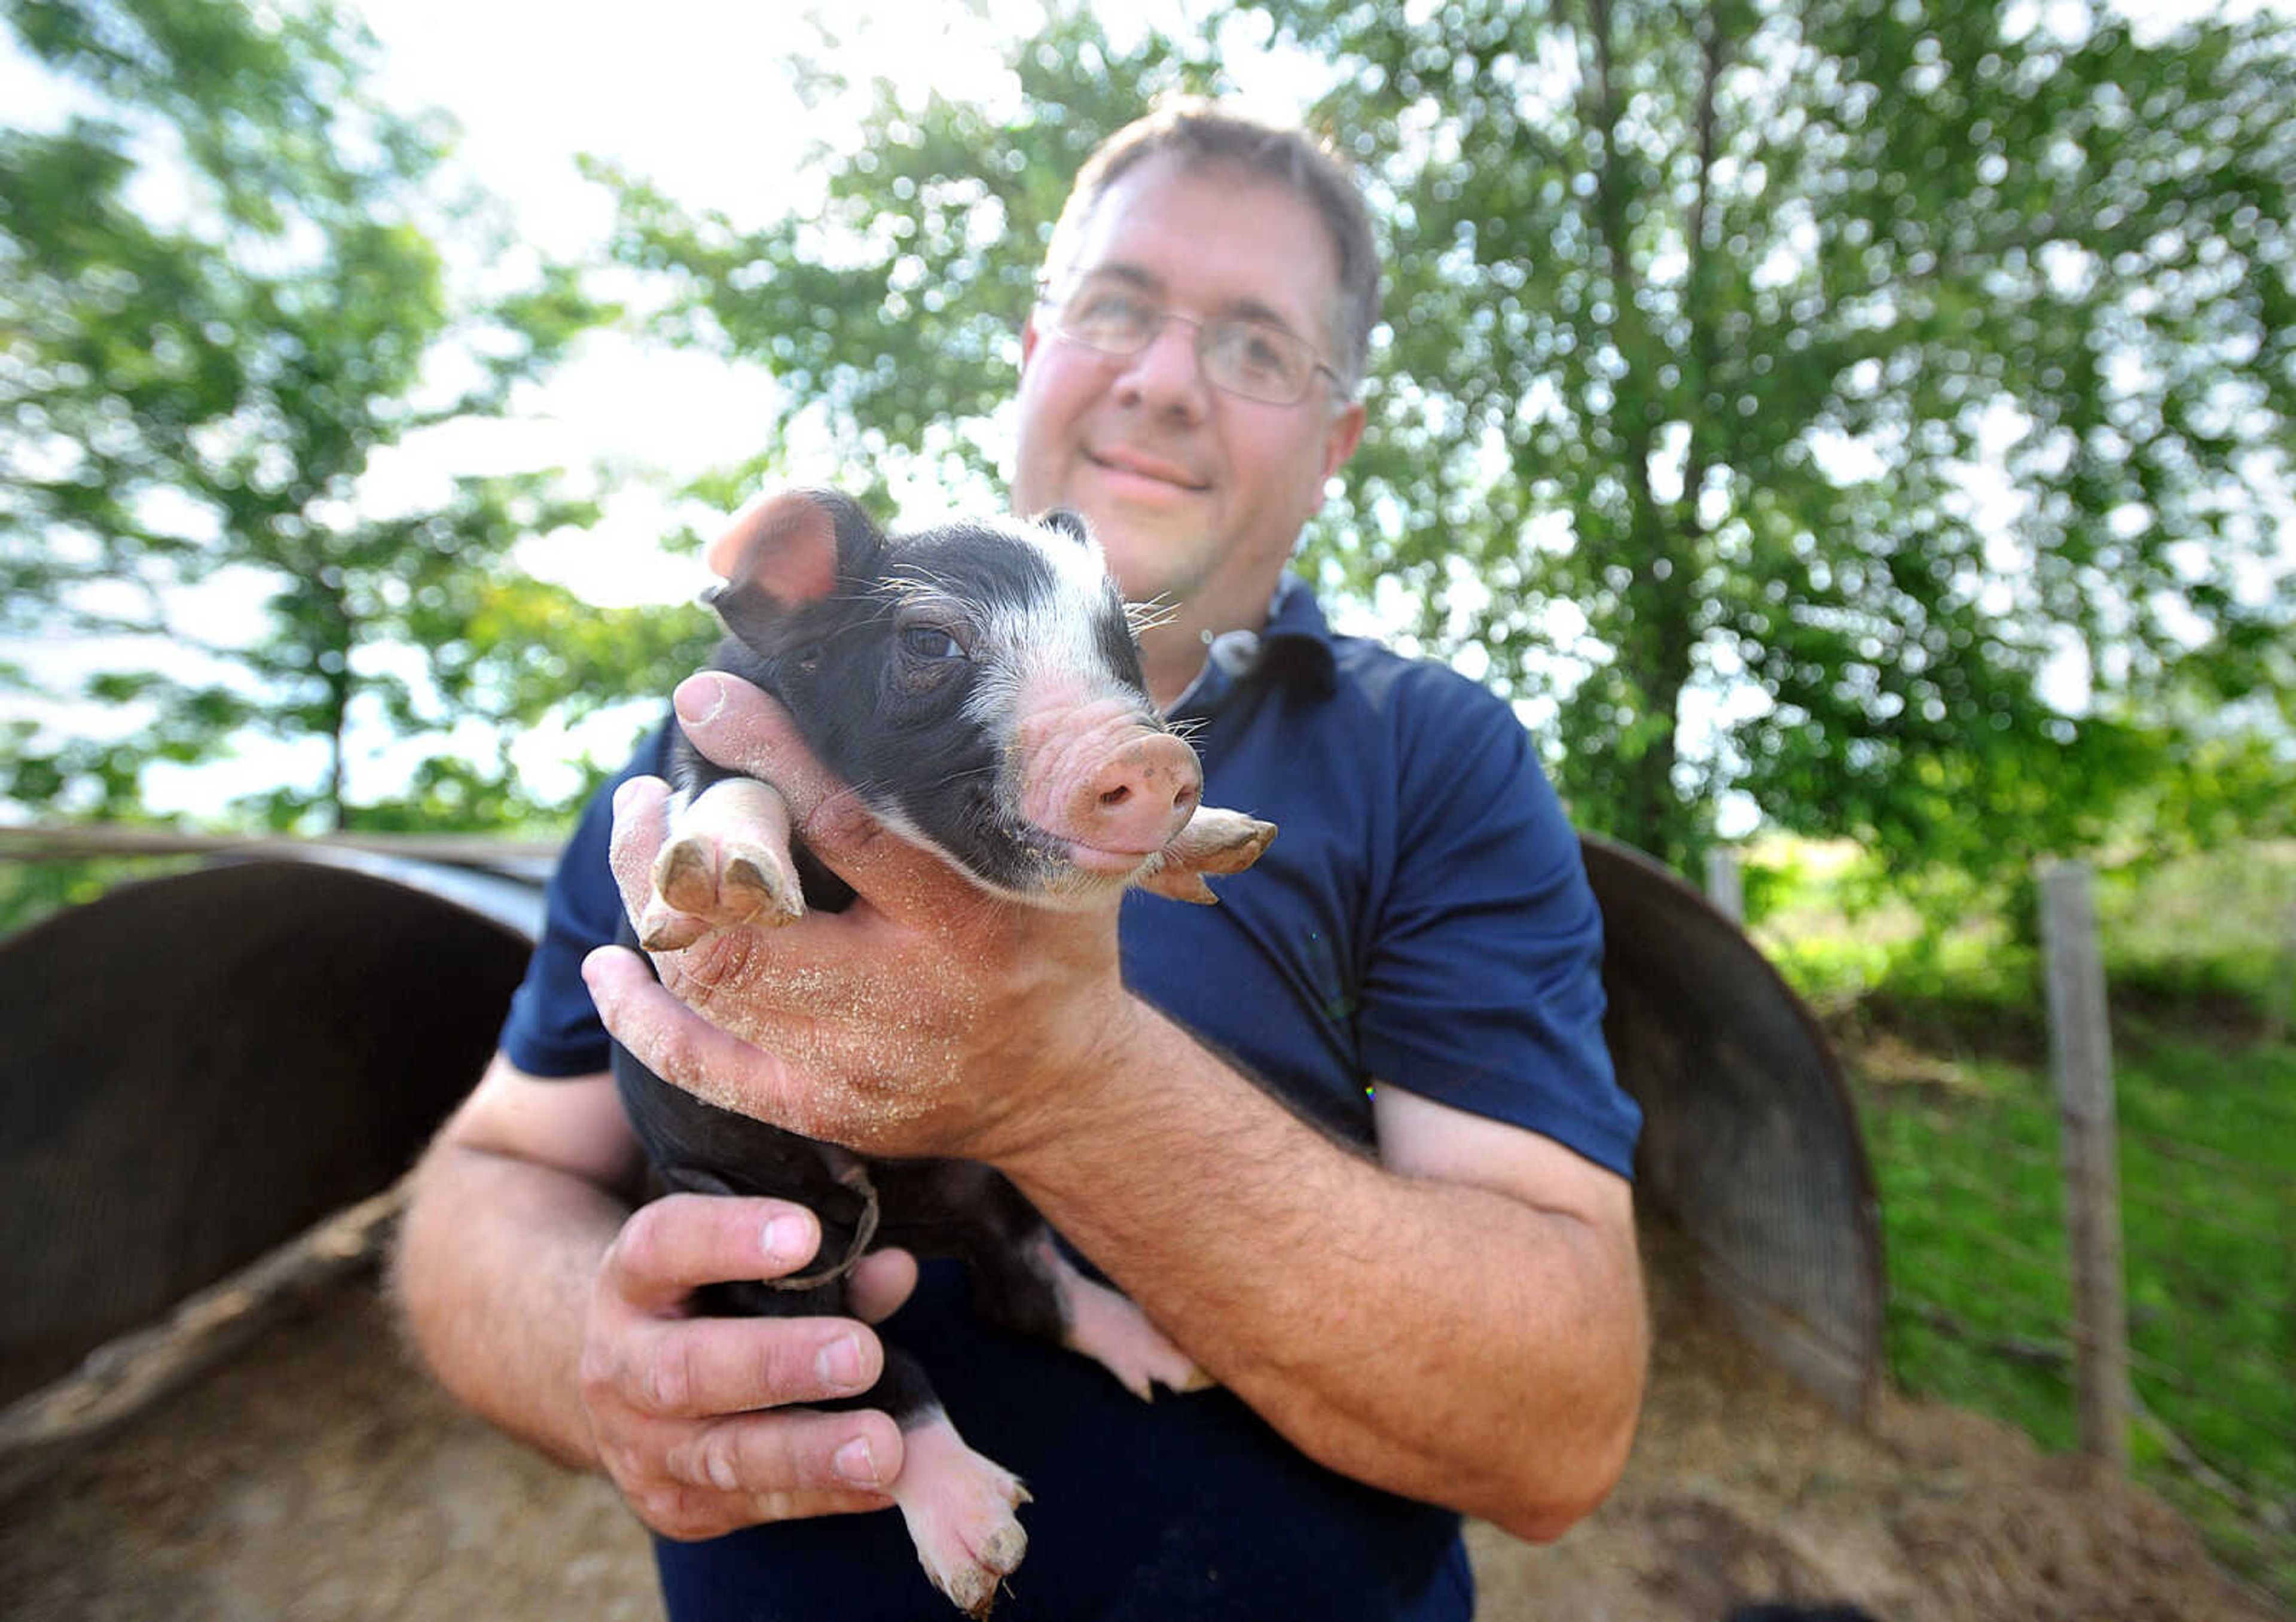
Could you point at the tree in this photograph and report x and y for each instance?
(1705, 324)
(1722, 311)
(889, 309)
(224, 284)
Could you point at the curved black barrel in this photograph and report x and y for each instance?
(198, 1067)
(1750, 1139)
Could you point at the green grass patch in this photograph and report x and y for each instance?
(1973, 1231)
(1947, 1040)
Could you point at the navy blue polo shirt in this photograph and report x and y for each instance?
(1422, 920)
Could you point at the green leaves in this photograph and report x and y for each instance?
(1750, 299)
(218, 299)
(1868, 415)
(1877, 416)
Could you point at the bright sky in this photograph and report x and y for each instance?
(696, 101)
(692, 97)
(691, 100)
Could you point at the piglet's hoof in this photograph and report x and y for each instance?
(1108, 1326)
(959, 1507)
(726, 865)
(728, 883)
(1215, 841)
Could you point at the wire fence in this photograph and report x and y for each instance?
(2100, 1245)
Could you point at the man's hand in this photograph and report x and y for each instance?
(680, 1405)
(550, 1308)
(927, 1018)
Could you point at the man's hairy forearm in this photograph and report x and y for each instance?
(494, 1268)
(1450, 1342)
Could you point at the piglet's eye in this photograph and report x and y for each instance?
(931, 642)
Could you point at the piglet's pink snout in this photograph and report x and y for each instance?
(1114, 787)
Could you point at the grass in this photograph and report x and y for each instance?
(1950, 1052)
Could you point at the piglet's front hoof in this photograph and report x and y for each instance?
(726, 865)
(959, 1507)
(1215, 841)
(728, 883)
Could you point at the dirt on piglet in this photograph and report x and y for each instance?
(319, 1476)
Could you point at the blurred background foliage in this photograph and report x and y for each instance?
(1860, 420)
(224, 288)
(1877, 418)
(1866, 424)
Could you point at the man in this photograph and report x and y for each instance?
(1430, 1307)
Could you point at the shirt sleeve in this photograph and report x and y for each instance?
(1483, 985)
(553, 1030)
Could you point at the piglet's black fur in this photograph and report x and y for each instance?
(910, 664)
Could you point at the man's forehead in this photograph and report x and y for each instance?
(1150, 227)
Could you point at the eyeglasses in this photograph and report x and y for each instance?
(1243, 354)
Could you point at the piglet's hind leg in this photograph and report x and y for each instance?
(960, 1509)
(1109, 1327)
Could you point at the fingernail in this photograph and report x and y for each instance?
(854, 1465)
(698, 698)
(839, 1363)
(785, 1239)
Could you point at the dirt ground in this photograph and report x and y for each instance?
(318, 1477)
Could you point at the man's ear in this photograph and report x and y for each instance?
(1341, 437)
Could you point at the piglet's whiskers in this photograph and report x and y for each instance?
(1148, 615)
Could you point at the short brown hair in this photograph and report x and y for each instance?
(1200, 132)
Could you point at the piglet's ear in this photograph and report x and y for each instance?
(1069, 523)
(783, 549)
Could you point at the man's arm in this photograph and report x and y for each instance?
(1462, 1322)
(548, 1307)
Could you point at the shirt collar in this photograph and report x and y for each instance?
(1295, 645)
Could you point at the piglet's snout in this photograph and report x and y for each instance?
(1138, 801)
(1113, 789)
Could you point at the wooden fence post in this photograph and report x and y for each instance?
(1724, 888)
(2080, 1048)
(2281, 1014)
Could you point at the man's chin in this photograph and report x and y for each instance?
(1152, 568)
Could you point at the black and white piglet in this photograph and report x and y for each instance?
(978, 683)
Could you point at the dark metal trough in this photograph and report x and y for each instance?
(199, 1068)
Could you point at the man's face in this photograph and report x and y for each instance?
(1197, 496)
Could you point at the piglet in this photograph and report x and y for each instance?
(978, 683)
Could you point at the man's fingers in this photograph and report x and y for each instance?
(879, 1283)
(673, 1246)
(684, 1049)
(640, 827)
(742, 728)
(704, 1367)
(783, 1457)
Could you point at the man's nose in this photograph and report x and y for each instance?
(1167, 372)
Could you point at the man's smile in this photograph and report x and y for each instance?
(1132, 464)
